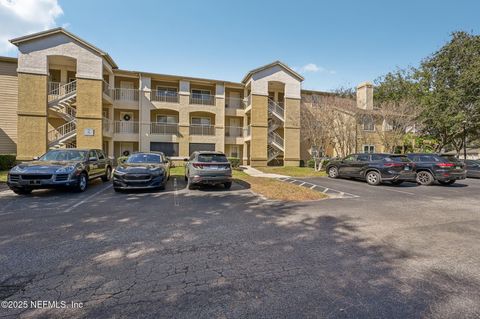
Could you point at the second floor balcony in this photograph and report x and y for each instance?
(158, 128)
(233, 131)
(126, 127)
(125, 95)
(202, 99)
(202, 129)
(164, 96)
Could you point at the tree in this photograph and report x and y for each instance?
(449, 91)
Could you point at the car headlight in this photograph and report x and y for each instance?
(118, 172)
(66, 169)
(156, 171)
(18, 169)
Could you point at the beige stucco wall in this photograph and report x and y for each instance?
(291, 132)
(259, 123)
(89, 113)
(32, 116)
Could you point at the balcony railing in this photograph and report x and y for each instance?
(233, 131)
(121, 94)
(57, 90)
(235, 103)
(248, 101)
(164, 128)
(126, 127)
(162, 96)
(107, 90)
(107, 125)
(199, 129)
(202, 99)
(247, 131)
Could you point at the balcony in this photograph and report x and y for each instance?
(107, 126)
(125, 95)
(163, 128)
(202, 130)
(202, 99)
(247, 132)
(233, 131)
(162, 96)
(107, 90)
(235, 103)
(125, 127)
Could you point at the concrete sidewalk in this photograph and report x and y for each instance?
(256, 173)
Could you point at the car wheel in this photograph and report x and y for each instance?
(425, 178)
(118, 190)
(82, 183)
(186, 178)
(333, 172)
(450, 182)
(162, 187)
(108, 174)
(22, 191)
(397, 182)
(373, 178)
(228, 185)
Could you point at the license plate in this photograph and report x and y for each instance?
(34, 182)
(458, 167)
(214, 167)
(407, 168)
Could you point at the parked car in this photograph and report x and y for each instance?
(142, 170)
(434, 167)
(473, 168)
(69, 167)
(210, 168)
(375, 168)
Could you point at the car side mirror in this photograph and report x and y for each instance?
(92, 159)
(35, 158)
(185, 159)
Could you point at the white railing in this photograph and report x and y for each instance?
(247, 131)
(248, 101)
(57, 90)
(162, 96)
(235, 103)
(62, 131)
(67, 109)
(200, 129)
(275, 138)
(164, 128)
(107, 125)
(202, 99)
(233, 131)
(272, 153)
(107, 89)
(276, 108)
(126, 127)
(121, 94)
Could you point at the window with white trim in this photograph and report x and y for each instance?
(368, 124)
(198, 94)
(166, 91)
(167, 119)
(201, 120)
(369, 148)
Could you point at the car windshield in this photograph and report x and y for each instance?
(144, 158)
(64, 155)
(212, 158)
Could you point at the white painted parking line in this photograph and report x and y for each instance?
(175, 192)
(68, 210)
(326, 190)
(313, 186)
(396, 191)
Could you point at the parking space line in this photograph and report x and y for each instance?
(325, 189)
(397, 191)
(68, 210)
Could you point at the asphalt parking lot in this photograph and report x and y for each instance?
(387, 252)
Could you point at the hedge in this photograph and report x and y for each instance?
(234, 161)
(7, 162)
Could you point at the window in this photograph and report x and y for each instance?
(194, 147)
(368, 124)
(92, 154)
(167, 148)
(387, 125)
(363, 158)
(201, 120)
(167, 119)
(234, 151)
(101, 156)
(198, 94)
(350, 158)
(166, 91)
(212, 158)
(368, 148)
(145, 158)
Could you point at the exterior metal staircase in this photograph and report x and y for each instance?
(60, 101)
(276, 143)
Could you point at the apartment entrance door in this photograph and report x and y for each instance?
(126, 149)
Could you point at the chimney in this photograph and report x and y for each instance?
(365, 96)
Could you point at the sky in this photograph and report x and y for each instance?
(332, 44)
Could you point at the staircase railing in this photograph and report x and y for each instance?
(276, 109)
(58, 91)
(62, 131)
(275, 138)
(272, 153)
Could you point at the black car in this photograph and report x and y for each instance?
(434, 167)
(375, 168)
(60, 168)
(473, 168)
(142, 171)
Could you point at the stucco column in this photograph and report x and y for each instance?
(220, 117)
(184, 119)
(245, 146)
(145, 107)
(89, 113)
(292, 132)
(259, 131)
(32, 116)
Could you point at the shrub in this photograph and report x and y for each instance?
(7, 162)
(311, 163)
(234, 161)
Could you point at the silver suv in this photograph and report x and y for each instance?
(209, 168)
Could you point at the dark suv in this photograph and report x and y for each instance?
(60, 168)
(374, 168)
(434, 167)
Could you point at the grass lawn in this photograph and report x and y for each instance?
(3, 176)
(278, 190)
(292, 171)
(179, 170)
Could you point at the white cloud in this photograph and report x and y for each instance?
(21, 17)
(313, 68)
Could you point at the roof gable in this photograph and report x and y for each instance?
(270, 65)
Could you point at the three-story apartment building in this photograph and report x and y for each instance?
(64, 92)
